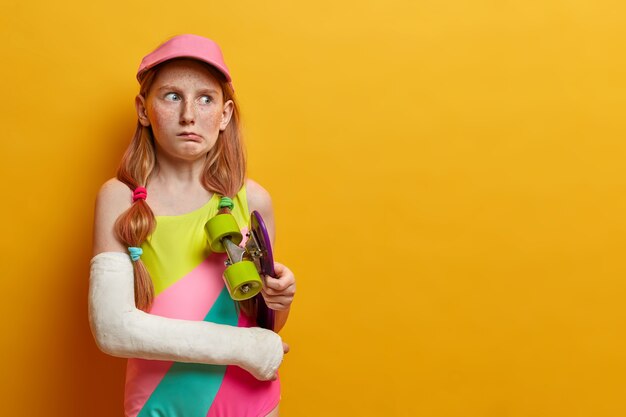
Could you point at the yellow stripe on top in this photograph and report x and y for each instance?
(182, 241)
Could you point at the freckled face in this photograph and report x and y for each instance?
(186, 109)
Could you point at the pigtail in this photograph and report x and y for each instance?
(137, 223)
(132, 228)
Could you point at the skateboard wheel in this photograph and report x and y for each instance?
(220, 227)
(243, 280)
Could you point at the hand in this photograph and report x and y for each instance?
(285, 351)
(278, 292)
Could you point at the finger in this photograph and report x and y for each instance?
(278, 299)
(268, 293)
(281, 270)
(279, 284)
(276, 307)
(273, 296)
(285, 348)
(277, 304)
(289, 290)
(272, 283)
(270, 290)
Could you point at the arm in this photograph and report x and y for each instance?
(120, 329)
(278, 292)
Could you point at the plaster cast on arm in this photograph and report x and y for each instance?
(120, 329)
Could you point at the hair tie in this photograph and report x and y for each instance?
(140, 193)
(226, 202)
(135, 253)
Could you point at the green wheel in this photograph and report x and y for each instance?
(220, 227)
(243, 280)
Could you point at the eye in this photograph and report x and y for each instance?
(206, 99)
(172, 96)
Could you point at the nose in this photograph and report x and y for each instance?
(187, 112)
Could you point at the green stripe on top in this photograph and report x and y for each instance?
(188, 389)
(181, 241)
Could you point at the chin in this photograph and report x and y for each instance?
(194, 156)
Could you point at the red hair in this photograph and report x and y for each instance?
(224, 173)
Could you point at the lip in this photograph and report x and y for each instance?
(189, 135)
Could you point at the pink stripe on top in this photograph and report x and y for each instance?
(191, 297)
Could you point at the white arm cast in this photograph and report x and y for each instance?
(120, 329)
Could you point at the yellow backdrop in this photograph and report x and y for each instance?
(447, 177)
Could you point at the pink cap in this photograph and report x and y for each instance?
(186, 46)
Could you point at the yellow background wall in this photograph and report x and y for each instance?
(448, 179)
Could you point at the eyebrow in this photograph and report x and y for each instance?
(173, 87)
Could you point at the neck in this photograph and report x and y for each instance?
(176, 173)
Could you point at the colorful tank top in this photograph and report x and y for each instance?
(188, 285)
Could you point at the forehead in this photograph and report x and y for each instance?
(185, 72)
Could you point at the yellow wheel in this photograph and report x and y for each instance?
(220, 227)
(243, 280)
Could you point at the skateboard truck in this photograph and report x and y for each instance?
(245, 265)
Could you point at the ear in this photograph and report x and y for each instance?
(227, 113)
(142, 112)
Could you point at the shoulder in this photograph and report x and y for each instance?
(258, 197)
(113, 199)
(114, 195)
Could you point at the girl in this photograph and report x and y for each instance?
(156, 293)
